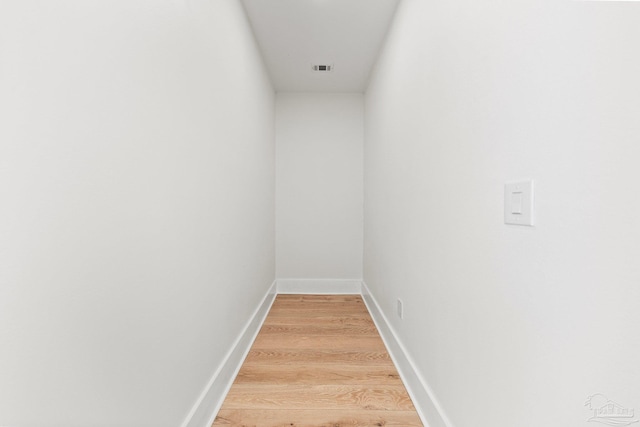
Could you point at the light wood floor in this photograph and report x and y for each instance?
(318, 361)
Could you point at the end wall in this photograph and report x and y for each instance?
(319, 185)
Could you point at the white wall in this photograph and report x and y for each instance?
(319, 185)
(136, 205)
(509, 325)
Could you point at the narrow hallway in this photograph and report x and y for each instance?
(318, 360)
(168, 167)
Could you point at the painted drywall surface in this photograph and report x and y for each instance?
(136, 205)
(319, 185)
(509, 325)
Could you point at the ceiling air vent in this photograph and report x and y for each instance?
(322, 68)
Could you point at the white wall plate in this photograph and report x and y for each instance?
(518, 203)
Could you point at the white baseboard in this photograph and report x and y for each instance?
(208, 404)
(423, 398)
(319, 286)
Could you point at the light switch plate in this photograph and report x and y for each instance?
(518, 203)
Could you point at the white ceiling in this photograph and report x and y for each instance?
(295, 34)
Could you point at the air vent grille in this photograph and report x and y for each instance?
(322, 68)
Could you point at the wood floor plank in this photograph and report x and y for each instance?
(318, 360)
(319, 299)
(359, 320)
(315, 418)
(337, 312)
(327, 397)
(301, 312)
(341, 357)
(318, 373)
(327, 330)
(331, 299)
(292, 305)
(319, 342)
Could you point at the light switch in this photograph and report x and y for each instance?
(518, 203)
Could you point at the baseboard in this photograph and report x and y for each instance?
(423, 398)
(208, 404)
(319, 286)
